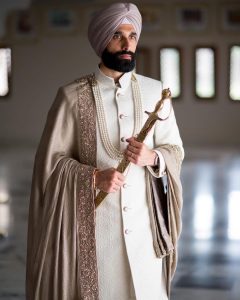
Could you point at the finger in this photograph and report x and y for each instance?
(130, 139)
(120, 176)
(132, 155)
(133, 149)
(116, 187)
(118, 182)
(133, 142)
(132, 160)
(129, 154)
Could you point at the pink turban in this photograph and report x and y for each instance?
(105, 23)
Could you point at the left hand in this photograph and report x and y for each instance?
(139, 154)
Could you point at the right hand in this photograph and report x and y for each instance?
(109, 180)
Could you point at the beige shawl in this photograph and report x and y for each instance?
(61, 252)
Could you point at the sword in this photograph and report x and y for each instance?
(152, 118)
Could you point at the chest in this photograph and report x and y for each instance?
(124, 114)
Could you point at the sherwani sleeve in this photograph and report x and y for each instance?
(165, 133)
(58, 177)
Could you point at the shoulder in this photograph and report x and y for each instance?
(78, 84)
(68, 93)
(149, 83)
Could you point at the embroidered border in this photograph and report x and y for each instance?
(87, 258)
(178, 154)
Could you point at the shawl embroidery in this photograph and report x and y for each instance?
(87, 261)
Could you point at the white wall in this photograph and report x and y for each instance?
(40, 67)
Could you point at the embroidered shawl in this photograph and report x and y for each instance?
(61, 252)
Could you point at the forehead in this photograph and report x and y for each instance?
(126, 28)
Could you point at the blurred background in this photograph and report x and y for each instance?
(194, 48)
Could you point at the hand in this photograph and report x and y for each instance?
(139, 154)
(109, 180)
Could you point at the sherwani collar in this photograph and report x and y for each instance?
(107, 81)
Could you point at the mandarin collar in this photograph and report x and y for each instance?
(123, 83)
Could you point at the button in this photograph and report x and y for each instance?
(124, 185)
(121, 116)
(123, 139)
(125, 208)
(127, 231)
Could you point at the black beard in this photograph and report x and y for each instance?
(113, 62)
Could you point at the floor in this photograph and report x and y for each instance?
(209, 248)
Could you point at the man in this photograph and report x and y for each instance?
(125, 248)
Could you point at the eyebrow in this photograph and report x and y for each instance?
(120, 32)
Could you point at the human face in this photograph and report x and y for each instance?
(119, 54)
(125, 38)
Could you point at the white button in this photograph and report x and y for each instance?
(123, 139)
(124, 185)
(121, 116)
(125, 208)
(127, 231)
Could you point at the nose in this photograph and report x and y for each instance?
(125, 44)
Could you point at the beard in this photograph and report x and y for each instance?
(114, 62)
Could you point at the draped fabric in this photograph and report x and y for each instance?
(165, 206)
(173, 159)
(61, 254)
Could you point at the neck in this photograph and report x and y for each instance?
(110, 73)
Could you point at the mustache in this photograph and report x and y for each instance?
(132, 54)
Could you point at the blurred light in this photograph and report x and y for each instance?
(203, 216)
(5, 69)
(4, 219)
(170, 70)
(4, 196)
(233, 215)
(234, 91)
(205, 72)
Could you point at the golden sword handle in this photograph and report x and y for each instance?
(153, 117)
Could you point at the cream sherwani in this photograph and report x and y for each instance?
(127, 264)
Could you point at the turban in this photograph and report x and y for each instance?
(105, 23)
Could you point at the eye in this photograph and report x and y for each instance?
(117, 36)
(133, 37)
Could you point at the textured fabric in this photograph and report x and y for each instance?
(126, 260)
(61, 254)
(165, 205)
(105, 22)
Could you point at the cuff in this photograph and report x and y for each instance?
(159, 170)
